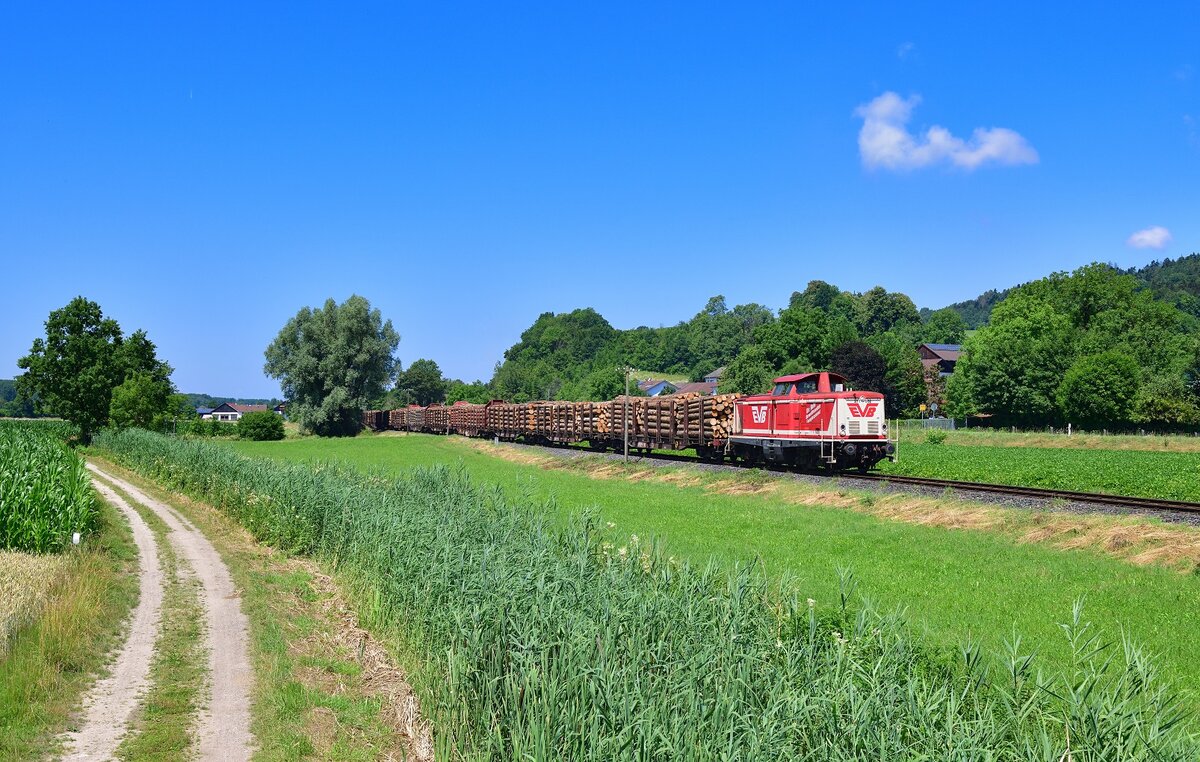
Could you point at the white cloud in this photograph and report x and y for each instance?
(885, 141)
(1154, 237)
(905, 49)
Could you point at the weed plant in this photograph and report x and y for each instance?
(45, 494)
(542, 643)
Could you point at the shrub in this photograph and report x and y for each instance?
(935, 436)
(535, 642)
(261, 426)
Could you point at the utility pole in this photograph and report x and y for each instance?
(625, 415)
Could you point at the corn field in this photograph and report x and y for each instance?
(45, 494)
(526, 640)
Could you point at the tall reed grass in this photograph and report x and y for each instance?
(540, 643)
(45, 494)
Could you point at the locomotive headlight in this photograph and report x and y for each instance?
(843, 428)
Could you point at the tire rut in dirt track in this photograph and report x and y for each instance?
(112, 701)
(224, 727)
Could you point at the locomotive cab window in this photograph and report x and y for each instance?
(840, 388)
(781, 390)
(807, 386)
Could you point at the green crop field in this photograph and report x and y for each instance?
(532, 633)
(1169, 475)
(956, 583)
(45, 495)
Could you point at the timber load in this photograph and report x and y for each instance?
(437, 419)
(468, 418)
(415, 419)
(398, 420)
(375, 420)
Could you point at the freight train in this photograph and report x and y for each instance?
(808, 420)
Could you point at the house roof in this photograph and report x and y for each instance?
(235, 407)
(650, 383)
(948, 352)
(703, 387)
(203, 410)
(717, 373)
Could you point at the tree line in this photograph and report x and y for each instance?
(1096, 347)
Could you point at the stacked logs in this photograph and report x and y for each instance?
(414, 419)
(710, 418)
(398, 420)
(592, 419)
(375, 420)
(467, 417)
(694, 417)
(437, 418)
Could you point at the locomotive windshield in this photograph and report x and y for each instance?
(807, 386)
(781, 390)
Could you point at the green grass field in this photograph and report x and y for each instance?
(1169, 475)
(957, 583)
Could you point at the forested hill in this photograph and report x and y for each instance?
(10, 406)
(577, 355)
(207, 400)
(1176, 281)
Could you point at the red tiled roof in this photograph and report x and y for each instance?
(703, 387)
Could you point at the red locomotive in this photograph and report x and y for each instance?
(810, 420)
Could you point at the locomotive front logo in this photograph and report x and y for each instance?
(864, 410)
(759, 413)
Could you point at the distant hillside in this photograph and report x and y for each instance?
(975, 312)
(1176, 281)
(206, 400)
(10, 407)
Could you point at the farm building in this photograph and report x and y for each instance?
(653, 387)
(698, 387)
(232, 411)
(944, 356)
(204, 412)
(714, 378)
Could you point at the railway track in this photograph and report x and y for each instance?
(1037, 493)
(1097, 498)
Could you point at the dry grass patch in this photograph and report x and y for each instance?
(26, 581)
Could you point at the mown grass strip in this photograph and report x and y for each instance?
(539, 642)
(52, 663)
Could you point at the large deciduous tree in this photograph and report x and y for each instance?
(422, 383)
(73, 371)
(1098, 390)
(945, 326)
(749, 373)
(331, 361)
(862, 365)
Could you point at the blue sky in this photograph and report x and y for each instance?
(205, 170)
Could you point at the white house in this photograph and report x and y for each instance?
(232, 412)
